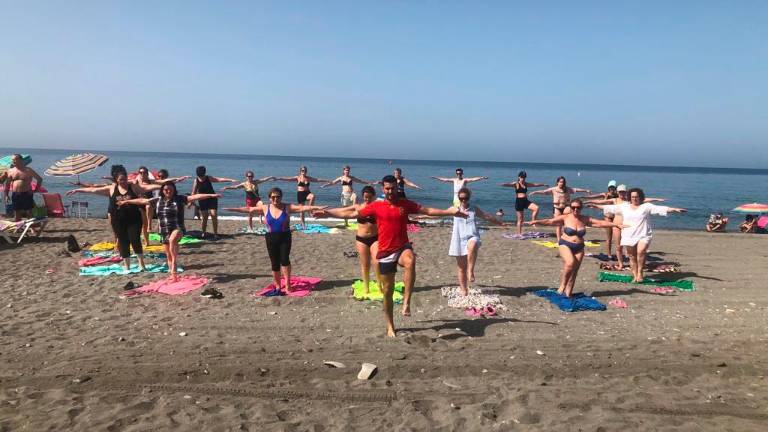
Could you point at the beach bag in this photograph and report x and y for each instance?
(72, 245)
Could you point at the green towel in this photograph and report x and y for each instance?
(683, 284)
(118, 269)
(374, 294)
(184, 240)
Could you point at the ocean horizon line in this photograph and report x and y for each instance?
(446, 162)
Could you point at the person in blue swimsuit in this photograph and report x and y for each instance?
(277, 218)
(571, 244)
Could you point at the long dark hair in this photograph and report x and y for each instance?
(565, 184)
(117, 171)
(168, 185)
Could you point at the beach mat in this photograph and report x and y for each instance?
(477, 298)
(682, 284)
(374, 294)
(259, 231)
(167, 286)
(527, 235)
(118, 269)
(109, 246)
(577, 303)
(184, 239)
(301, 286)
(315, 229)
(111, 254)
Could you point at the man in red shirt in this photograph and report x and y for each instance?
(394, 248)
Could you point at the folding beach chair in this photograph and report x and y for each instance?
(21, 228)
(54, 206)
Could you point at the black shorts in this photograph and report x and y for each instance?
(557, 211)
(522, 204)
(389, 265)
(301, 196)
(23, 201)
(368, 241)
(208, 204)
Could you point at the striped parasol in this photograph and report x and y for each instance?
(754, 208)
(76, 165)
(6, 161)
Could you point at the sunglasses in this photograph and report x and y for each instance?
(575, 207)
(275, 196)
(463, 198)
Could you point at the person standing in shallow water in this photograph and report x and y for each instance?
(203, 184)
(394, 248)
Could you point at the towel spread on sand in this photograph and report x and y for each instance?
(477, 298)
(657, 267)
(527, 235)
(315, 229)
(184, 239)
(300, 286)
(167, 286)
(578, 302)
(374, 294)
(413, 228)
(260, 231)
(682, 284)
(118, 269)
(86, 262)
(108, 246)
(110, 254)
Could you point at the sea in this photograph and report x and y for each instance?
(700, 190)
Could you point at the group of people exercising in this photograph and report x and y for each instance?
(382, 237)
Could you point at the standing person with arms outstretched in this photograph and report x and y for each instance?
(170, 214)
(303, 195)
(203, 184)
(561, 196)
(277, 216)
(18, 181)
(571, 244)
(348, 196)
(147, 210)
(251, 186)
(402, 182)
(465, 239)
(521, 198)
(607, 195)
(636, 233)
(126, 219)
(458, 182)
(394, 248)
(366, 240)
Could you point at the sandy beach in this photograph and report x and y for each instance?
(76, 356)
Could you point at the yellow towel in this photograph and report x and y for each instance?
(108, 246)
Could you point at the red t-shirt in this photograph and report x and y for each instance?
(392, 221)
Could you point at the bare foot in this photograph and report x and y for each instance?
(464, 291)
(390, 332)
(406, 310)
(472, 276)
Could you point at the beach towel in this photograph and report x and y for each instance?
(167, 286)
(413, 228)
(118, 269)
(301, 286)
(527, 235)
(103, 246)
(315, 229)
(374, 294)
(184, 239)
(91, 254)
(658, 267)
(260, 231)
(577, 303)
(682, 284)
(477, 298)
(86, 262)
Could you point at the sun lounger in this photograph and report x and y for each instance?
(21, 228)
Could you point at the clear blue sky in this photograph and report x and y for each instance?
(665, 83)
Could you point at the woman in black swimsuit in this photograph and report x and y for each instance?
(571, 244)
(203, 184)
(126, 219)
(521, 198)
(303, 194)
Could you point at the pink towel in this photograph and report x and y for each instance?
(301, 286)
(618, 303)
(98, 260)
(413, 228)
(184, 285)
(662, 290)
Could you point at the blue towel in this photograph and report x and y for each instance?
(579, 302)
(312, 229)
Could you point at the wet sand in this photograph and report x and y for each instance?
(78, 357)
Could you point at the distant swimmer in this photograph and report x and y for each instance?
(521, 198)
(561, 196)
(459, 182)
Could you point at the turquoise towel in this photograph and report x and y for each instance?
(118, 269)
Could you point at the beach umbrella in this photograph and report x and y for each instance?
(754, 208)
(6, 161)
(76, 165)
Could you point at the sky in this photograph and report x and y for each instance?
(651, 83)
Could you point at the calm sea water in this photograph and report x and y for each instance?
(701, 190)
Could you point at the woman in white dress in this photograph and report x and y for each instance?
(465, 239)
(637, 235)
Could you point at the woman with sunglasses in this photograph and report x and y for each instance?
(561, 196)
(303, 194)
(277, 217)
(571, 244)
(521, 198)
(126, 220)
(252, 197)
(147, 210)
(170, 214)
(465, 239)
(636, 233)
(348, 196)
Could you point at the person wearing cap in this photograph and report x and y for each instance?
(561, 196)
(521, 198)
(459, 182)
(607, 195)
